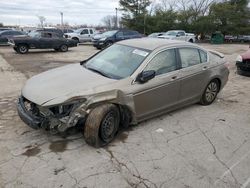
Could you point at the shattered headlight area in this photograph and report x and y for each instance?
(54, 119)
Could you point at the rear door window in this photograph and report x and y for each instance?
(189, 57)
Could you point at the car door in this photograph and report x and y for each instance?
(119, 36)
(4, 36)
(194, 73)
(181, 35)
(161, 92)
(84, 35)
(46, 40)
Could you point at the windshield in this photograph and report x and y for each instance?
(109, 33)
(78, 31)
(34, 34)
(117, 61)
(172, 33)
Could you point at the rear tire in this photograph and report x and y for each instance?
(22, 49)
(63, 48)
(102, 125)
(191, 40)
(210, 93)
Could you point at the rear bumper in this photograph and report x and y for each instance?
(31, 120)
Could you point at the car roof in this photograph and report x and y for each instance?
(152, 43)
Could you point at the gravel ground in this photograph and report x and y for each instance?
(197, 146)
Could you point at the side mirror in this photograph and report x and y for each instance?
(145, 76)
(178, 35)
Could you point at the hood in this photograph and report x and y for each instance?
(98, 36)
(246, 55)
(60, 84)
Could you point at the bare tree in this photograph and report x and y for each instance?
(199, 7)
(42, 19)
(110, 21)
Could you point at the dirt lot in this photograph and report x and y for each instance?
(195, 146)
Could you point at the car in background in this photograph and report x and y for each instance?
(51, 29)
(81, 35)
(178, 35)
(10, 34)
(41, 40)
(67, 31)
(126, 83)
(155, 35)
(243, 63)
(110, 37)
(4, 29)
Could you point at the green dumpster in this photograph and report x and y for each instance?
(217, 38)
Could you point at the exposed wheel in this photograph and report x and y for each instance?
(76, 39)
(109, 43)
(102, 125)
(210, 93)
(63, 48)
(191, 40)
(22, 49)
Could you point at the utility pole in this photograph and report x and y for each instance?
(62, 20)
(116, 19)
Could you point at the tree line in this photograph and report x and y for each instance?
(197, 16)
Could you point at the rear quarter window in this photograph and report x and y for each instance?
(203, 56)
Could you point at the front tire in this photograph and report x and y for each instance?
(22, 49)
(102, 125)
(210, 93)
(76, 39)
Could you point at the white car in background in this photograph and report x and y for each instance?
(81, 35)
(178, 35)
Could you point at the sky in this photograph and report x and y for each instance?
(26, 12)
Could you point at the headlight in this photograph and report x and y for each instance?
(103, 39)
(239, 58)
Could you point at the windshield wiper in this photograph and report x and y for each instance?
(97, 71)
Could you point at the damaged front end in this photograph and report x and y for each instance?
(54, 119)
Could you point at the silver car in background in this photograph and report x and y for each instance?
(128, 82)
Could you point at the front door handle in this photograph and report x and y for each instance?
(174, 77)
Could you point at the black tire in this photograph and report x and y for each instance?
(191, 40)
(210, 93)
(15, 48)
(108, 43)
(63, 48)
(102, 125)
(76, 39)
(22, 49)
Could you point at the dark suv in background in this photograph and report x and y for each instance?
(108, 38)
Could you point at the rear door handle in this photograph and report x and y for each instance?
(205, 68)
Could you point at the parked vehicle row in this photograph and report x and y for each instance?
(240, 38)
